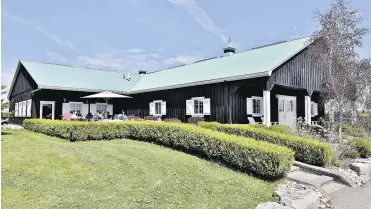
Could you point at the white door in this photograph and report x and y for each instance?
(287, 110)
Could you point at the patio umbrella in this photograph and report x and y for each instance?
(106, 95)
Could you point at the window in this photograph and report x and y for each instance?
(101, 108)
(158, 108)
(281, 105)
(75, 107)
(290, 106)
(198, 106)
(256, 103)
(313, 109)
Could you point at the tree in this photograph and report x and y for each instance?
(359, 85)
(334, 49)
(4, 105)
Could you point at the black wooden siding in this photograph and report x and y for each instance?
(227, 100)
(299, 72)
(23, 86)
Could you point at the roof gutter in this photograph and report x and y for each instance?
(219, 80)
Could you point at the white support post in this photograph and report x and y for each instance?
(267, 108)
(308, 116)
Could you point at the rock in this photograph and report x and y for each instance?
(271, 205)
(322, 206)
(364, 160)
(361, 168)
(359, 184)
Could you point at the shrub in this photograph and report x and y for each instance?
(195, 120)
(133, 117)
(363, 146)
(151, 117)
(256, 157)
(306, 150)
(209, 125)
(353, 131)
(173, 120)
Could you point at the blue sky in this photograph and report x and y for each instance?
(149, 34)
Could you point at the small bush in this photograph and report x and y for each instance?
(351, 153)
(306, 150)
(151, 117)
(172, 120)
(133, 117)
(256, 157)
(195, 120)
(363, 146)
(353, 131)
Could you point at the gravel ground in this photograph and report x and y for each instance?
(11, 126)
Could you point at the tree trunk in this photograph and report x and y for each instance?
(340, 125)
(354, 112)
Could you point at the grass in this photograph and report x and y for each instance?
(46, 172)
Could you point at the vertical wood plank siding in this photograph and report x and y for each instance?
(298, 72)
(23, 86)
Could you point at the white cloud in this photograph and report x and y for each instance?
(43, 31)
(123, 59)
(72, 46)
(54, 56)
(201, 17)
(136, 50)
(185, 59)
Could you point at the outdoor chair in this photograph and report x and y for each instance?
(66, 116)
(252, 121)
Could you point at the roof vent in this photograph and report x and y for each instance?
(142, 72)
(127, 75)
(229, 50)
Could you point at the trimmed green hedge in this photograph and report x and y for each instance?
(256, 157)
(306, 150)
(363, 146)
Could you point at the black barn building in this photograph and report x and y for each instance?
(275, 83)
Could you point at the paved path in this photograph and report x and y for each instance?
(353, 198)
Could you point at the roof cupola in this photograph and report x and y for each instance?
(229, 50)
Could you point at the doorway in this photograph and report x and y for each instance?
(47, 109)
(287, 110)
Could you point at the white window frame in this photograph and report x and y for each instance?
(100, 103)
(16, 109)
(313, 111)
(199, 99)
(75, 103)
(260, 99)
(193, 114)
(157, 102)
(47, 102)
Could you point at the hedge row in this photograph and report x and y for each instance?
(363, 146)
(251, 156)
(306, 150)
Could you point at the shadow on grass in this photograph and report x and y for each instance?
(5, 133)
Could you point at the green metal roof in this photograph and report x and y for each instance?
(257, 62)
(71, 77)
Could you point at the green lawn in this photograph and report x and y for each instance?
(45, 172)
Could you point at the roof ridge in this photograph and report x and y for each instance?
(211, 58)
(74, 66)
